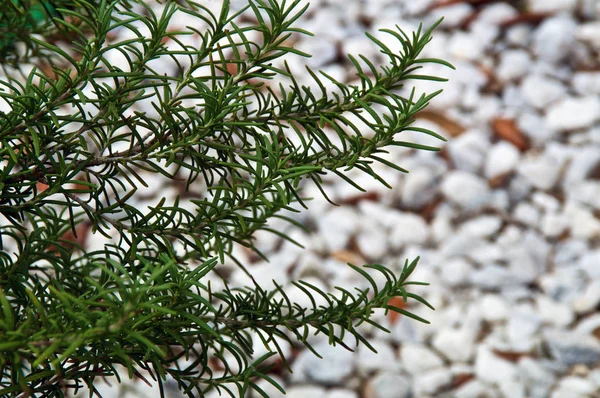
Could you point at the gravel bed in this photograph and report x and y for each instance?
(506, 218)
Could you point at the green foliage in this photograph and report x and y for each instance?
(243, 148)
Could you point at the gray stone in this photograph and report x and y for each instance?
(493, 276)
(420, 186)
(572, 349)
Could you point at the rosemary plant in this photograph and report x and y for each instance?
(81, 133)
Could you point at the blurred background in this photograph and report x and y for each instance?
(505, 218)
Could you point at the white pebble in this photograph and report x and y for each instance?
(589, 298)
(464, 46)
(541, 170)
(574, 113)
(502, 159)
(554, 39)
(493, 369)
(417, 358)
(494, 308)
(456, 272)
(410, 228)
(540, 91)
(481, 227)
(551, 5)
(586, 83)
(514, 64)
(431, 382)
(465, 189)
(456, 345)
(589, 33)
(527, 214)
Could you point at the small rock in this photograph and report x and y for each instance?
(454, 15)
(502, 159)
(574, 387)
(542, 171)
(538, 379)
(581, 165)
(519, 35)
(417, 359)
(411, 228)
(493, 369)
(589, 33)
(476, 389)
(519, 188)
(369, 361)
(456, 272)
(337, 225)
(420, 187)
(304, 391)
(568, 251)
(527, 214)
(554, 38)
(586, 192)
(551, 5)
(464, 46)
(546, 202)
(589, 299)
(465, 189)
(540, 91)
(482, 226)
(572, 349)
(494, 308)
(493, 276)
(535, 127)
(554, 224)
(573, 113)
(372, 241)
(588, 262)
(457, 345)
(431, 382)
(590, 325)
(388, 385)
(496, 13)
(554, 312)
(468, 151)
(582, 222)
(521, 331)
(341, 393)
(586, 83)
